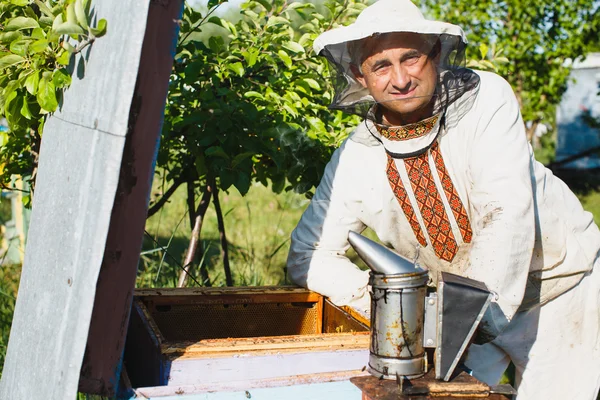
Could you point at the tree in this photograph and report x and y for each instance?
(35, 52)
(538, 39)
(250, 106)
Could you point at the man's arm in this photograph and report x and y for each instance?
(317, 257)
(503, 201)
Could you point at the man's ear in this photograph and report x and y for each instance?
(358, 75)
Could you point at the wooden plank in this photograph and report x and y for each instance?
(227, 295)
(248, 385)
(463, 387)
(338, 320)
(359, 317)
(195, 371)
(78, 177)
(114, 290)
(340, 390)
(143, 358)
(320, 315)
(208, 291)
(304, 343)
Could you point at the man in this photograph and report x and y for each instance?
(441, 171)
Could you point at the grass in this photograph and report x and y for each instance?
(258, 228)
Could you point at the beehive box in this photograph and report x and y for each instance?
(241, 337)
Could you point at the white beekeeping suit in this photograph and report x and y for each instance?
(459, 186)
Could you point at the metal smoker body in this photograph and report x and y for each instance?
(405, 320)
(397, 320)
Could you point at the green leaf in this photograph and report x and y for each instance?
(12, 108)
(71, 17)
(32, 82)
(287, 60)
(216, 151)
(38, 46)
(250, 57)
(57, 22)
(44, 8)
(69, 28)
(10, 37)
(82, 18)
(20, 3)
(64, 58)
(237, 68)
(312, 83)
(100, 29)
(25, 109)
(10, 60)
(277, 21)
(240, 157)
(242, 183)
(483, 50)
(252, 94)
(46, 95)
(294, 47)
(20, 47)
(19, 23)
(61, 78)
(38, 33)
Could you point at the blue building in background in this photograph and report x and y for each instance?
(582, 96)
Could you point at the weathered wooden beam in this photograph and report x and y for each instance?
(78, 175)
(114, 291)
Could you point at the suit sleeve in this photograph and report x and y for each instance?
(319, 243)
(503, 203)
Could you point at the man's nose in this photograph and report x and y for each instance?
(399, 79)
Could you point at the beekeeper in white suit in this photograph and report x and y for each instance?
(441, 170)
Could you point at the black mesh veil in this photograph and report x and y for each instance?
(455, 88)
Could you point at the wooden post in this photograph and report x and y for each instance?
(104, 352)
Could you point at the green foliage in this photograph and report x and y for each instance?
(535, 38)
(35, 50)
(9, 283)
(252, 104)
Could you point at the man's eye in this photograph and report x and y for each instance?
(412, 59)
(380, 67)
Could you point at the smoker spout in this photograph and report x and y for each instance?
(379, 258)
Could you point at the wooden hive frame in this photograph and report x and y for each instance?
(319, 342)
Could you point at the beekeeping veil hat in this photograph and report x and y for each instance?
(344, 47)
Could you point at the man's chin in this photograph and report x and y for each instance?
(404, 116)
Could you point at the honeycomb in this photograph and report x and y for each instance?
(193, 322)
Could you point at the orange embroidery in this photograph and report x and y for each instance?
(431, 207)
(406, 132)
(460, 214)
(402, 197)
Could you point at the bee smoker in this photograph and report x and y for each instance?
(405, 319)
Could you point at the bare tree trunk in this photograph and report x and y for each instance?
(224, 247)
(198, 218)
(191, 201)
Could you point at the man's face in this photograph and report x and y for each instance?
(400, 75)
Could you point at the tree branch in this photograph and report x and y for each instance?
(157, 206)
(221, 223)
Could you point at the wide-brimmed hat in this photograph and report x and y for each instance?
(387, 16)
